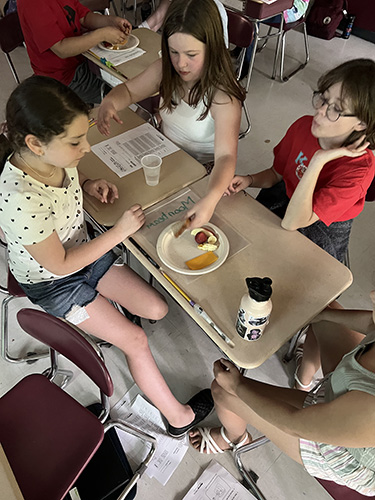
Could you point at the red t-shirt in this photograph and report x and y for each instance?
(342, 184)
(44, 23)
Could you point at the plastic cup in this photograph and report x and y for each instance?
(151, 167)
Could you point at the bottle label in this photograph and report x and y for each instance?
(250, 328)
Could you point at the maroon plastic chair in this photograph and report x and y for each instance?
(47, 436)
(280, 49)
(11, 37)
(259, 12)
(339, 492)
(13, 291)
(240, 34)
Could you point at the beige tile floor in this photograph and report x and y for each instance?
(183, 352)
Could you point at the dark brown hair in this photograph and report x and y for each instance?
(43, 107)
(357, 78)
(202, 20)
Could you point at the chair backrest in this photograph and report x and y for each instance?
(11, 35)
(240, 29)
(67, 341)
(370, 195)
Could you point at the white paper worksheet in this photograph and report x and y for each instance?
(217, 484)
(136, 411)
(123, 153)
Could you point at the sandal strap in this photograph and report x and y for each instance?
(208, 442)
(304, 386)
(233, 446)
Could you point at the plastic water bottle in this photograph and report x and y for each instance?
(255, 309)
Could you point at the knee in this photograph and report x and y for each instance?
(220, 396)
(159, 309)
(137, 342)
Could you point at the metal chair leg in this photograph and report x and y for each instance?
(247, 475)
(30, 357)
(302, 65)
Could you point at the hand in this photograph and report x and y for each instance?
(358, 148)
(130, 221)
(102, 190)
(122, 24)
(227, 375)
(107, 112)
(113, 35)
(238, 183)
(201, 213)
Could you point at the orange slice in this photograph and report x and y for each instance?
(201, 261)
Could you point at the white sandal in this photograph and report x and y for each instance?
(208, 446)
(299, 356)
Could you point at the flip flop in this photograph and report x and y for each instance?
(208, 446)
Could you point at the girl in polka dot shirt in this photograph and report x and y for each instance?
(50, 255)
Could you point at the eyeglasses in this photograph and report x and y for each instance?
(332, 113)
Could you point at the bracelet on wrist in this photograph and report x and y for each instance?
(84, 182)
(251, 180)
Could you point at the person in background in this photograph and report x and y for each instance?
(298, 10)
(155, 20)
(200, 99)
(50, 255)
(56, 33)
(324, 165)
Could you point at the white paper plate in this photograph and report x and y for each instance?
(133, 42)
(174, 252)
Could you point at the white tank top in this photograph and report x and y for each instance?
(194, 136)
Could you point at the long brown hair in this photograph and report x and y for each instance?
(357, 78)
(200, 19)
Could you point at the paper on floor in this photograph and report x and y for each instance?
(142, 415)
(217, 484)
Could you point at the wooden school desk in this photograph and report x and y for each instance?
(178, 170)
(305, 278)
(148, 41)
(9, 489)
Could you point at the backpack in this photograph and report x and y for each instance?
(324, 18)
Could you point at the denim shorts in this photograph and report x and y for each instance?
(67, 297)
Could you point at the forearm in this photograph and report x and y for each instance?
(264, 179)
(94, 21)
(264, 401)
(300, 208)
(80, 256)
(222, 174)
(357, 320)
(75, 45)
(119, 97)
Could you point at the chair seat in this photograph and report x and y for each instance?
(46, 469)
(13, 286)
(339, 492)
(288, 26)
(260, 10)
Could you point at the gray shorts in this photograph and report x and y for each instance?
(89, 87)
(65, 297)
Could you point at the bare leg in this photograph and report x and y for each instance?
(157, 18)
(310, 362)
(328, 340)
(235, 419)
(123, 285)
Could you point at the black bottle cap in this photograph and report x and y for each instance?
(259, 288)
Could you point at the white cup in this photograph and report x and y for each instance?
(151, 167)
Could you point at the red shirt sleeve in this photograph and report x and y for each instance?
(342, 186)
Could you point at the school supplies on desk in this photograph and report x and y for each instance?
(197, 308)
